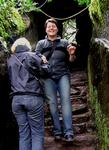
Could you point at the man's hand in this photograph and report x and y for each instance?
(71, 49)
(72, 58)
(44, 59)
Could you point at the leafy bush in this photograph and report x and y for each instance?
(11, 21)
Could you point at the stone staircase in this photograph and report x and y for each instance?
(84, 127)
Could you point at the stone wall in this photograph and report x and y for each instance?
(99, 54)
(100, 71)
(103, 31)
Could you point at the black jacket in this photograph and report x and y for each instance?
(24, 78)
(57, 55)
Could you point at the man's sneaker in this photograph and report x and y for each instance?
(57, 137)
(68, 138)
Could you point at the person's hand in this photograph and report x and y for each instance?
(71, 49)
(72, 57)
(44, 59)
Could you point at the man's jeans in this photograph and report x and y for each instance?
(29, 114)
(63, 87)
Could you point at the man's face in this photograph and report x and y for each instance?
(51, 29)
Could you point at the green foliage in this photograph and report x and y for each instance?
(49, 0)
(18, 21)
(3, 56)
(96, 12)
(27, 6)
(69, 30)
(101, 123)
(11, 20)
(82, 2)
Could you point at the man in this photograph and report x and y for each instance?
(58, 52)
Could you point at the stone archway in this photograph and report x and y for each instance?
(36, 30)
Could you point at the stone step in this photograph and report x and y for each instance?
(68, 147)
(76, 108)
(84, 117)
(78, 99)
(78, 83)
(79, 128)
(85, 139)
(84, 127)
(81, 142)
(79, 108)
(79, 90)
(77, 118)
(79, 76)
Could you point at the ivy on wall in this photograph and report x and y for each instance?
(11, 20)
(96, 10)
(96, 13)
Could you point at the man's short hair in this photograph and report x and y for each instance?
(52, 20)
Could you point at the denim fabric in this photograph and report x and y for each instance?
(62, 86)
(29, 114)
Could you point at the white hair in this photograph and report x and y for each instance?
(21, 41)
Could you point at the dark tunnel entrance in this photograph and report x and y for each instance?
(8, 127)
(62, 11)
(83, 35)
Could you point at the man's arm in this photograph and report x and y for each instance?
(71, 50)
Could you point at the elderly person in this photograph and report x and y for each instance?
(58, 52)
(24, 69)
